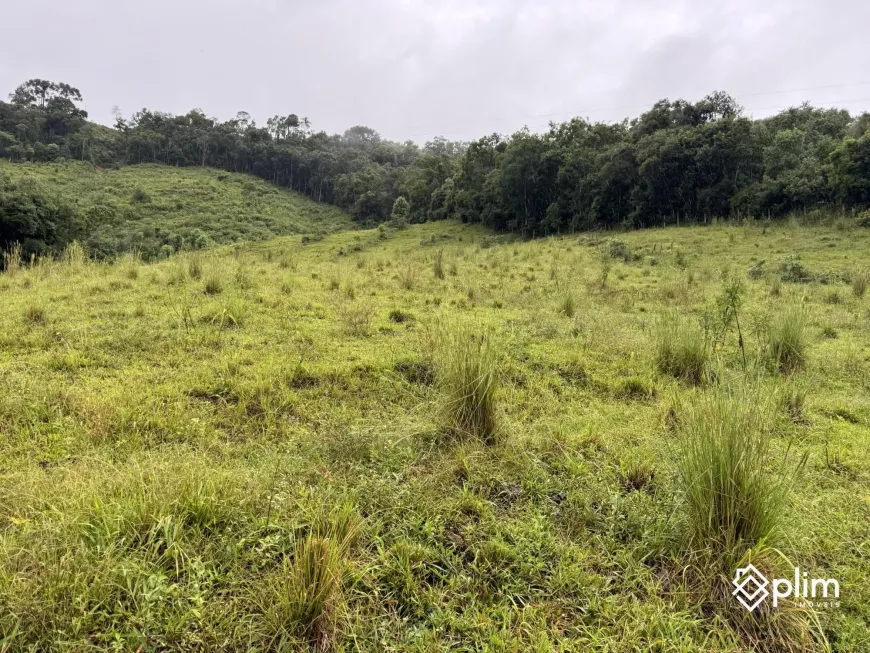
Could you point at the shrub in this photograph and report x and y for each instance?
(618, 249)
(786, 340)
(140, 196)
(756, 271)
(681, 349)
(733, 500)
(468, 382)
(791, 270)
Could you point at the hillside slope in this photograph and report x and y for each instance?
(172, 431)
(156, 209)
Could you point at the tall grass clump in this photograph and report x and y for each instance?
(213, 285)
(438, 265)
(786, 340)
(74, 255)
(568, 305)
(681, 349)
(12, 259)
(467, 376)
(302, 603)
(859, 283)
(194, 267)
(734, 489)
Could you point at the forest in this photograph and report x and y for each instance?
(678, 162)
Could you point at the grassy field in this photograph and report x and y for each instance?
(158, 209)
(270, 446)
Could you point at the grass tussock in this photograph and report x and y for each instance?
(438, 264)
(786, 340)
(214, 285)
(681, 349)
(302, 604)
(468, 379)
(568, 305)
(735, 488)
(860, 280)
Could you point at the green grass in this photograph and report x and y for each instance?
(682, 350)
(180, 470)
(787, 340)
(157, 209)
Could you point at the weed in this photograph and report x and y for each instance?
(776, 287)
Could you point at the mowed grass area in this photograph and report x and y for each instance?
(257, 447)
(158, 209)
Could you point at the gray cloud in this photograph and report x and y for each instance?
(419, 68)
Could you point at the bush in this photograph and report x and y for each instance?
(786, 340)
(756, 271)
(468, 382)
(140, 196)
(618, 249)
(682, 349)
(732, 500)
(791, 270)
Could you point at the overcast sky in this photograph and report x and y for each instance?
(418, 68)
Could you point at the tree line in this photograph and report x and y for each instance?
(679, 161)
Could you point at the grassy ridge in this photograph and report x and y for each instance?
(156, 209)
(183, 440)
